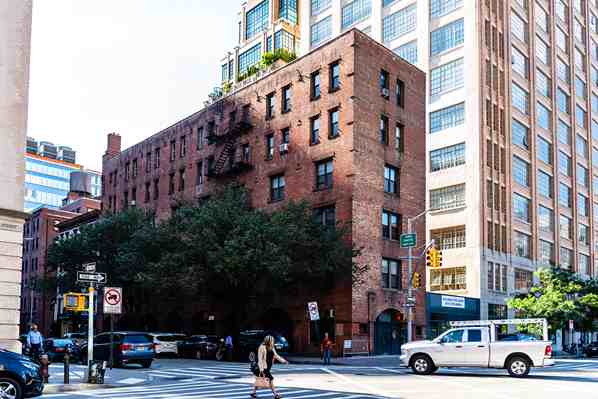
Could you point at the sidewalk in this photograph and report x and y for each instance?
(379, 360)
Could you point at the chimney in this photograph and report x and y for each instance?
(113, 147)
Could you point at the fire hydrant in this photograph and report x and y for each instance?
(44, 369)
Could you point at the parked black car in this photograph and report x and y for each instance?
(591, 350)
(199, 347)
(250, 340)
(19, 376)
(128, 347)
(56, 348)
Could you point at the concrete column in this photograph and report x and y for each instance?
(15, 41)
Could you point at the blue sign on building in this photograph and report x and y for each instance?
(443, 308)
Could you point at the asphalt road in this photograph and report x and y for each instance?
(374, 379)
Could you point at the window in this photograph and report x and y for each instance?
(446, 118)
(391, 225)
(566, 227)
(399, 23)
(519, 27)
(447, 157)
(544, 150)
(270, 105)
(391, 274)
(580, 116)
(288, 10)
(566, 258)
(520, 134)
(594, 129)
(326, 215)
(172, 150)
(584, 234)
(270, 146)
(523, 244)
(565, 166)
(277, 188)
(497, 277)
(579, 32)
(335, 76)
(541, 18)
(182, 180)
(249, 58)
(584, 264)
(520, 99)
(562, 71)
(439, 8)
(317, 6)
(285, 135)
(315, 85)
(384, 129)
(580, 60)
(521, 171)
(582, 175)
(384, 82)
(200, 138)
(561, 40)
(446, 77)
(333, 118)
(542, 52)
(565, 198)
(391, 179)
(447, 197)
(408, 52)
(321, 31)
(543, 116)
(545, 219)
(183, 149)
(156, 189)
(257, 19)
(543, 84)
(581, 146)
(324, 171)
(564, 132)
(580, 88)
(524, 280)
(446, 279)
(286, 99)
(446, 37)
(544, 184)
(583, 208)
(400, 93)
(497, 311)
(314, 129)
(400, 138)
(354, 12)
(199, 174)
(521, 207)
(171, 184)
(562, 101)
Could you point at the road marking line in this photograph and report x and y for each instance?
(350, 381)
(391, 370)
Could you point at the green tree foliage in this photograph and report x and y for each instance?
(560, 296)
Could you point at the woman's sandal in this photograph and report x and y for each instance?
(277, 396)
(253, 395)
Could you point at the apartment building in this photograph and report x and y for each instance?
(342, 128)
(512, 130)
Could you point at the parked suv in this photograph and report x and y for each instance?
(167, 343)
(128, 348)
(199, 346)
(592, 349)
(19, 376)
(250, 340)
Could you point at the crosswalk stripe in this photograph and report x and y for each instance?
(195, 384)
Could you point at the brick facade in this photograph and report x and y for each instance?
(238, 152)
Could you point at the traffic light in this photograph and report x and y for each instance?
(431, 255)
(75, 302)
(416, 281)
(438, 259)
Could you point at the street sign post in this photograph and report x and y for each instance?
(86, 277)
(408, 240)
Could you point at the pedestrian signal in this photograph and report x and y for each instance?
(416, 281)
(75, 302)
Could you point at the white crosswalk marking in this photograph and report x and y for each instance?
(210, 372)
(207, 389)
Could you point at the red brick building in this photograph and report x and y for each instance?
(342, 127)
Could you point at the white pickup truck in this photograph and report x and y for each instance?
(477, 344)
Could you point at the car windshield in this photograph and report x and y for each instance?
(61, 342)
(136, 339)
(167, 338)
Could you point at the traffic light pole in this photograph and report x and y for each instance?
(90, 327)
(410, 271)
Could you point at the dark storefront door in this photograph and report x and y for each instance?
(390, 333)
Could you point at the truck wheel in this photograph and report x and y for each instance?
(10, 388)
(422, 365)
(518, 366)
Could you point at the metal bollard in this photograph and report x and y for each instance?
(67, 363)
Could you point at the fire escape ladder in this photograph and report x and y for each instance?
(229, 146)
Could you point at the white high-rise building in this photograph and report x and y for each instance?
(512, 94)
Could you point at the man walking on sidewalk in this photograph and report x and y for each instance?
(35, 342)
(326, 349)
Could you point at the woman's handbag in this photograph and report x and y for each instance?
(262, 382)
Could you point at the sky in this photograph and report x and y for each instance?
(132, 67)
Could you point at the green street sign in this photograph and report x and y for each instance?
(408, 240)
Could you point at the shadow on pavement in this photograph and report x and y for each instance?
(529, 377)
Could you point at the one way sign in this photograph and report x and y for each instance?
(85, 277)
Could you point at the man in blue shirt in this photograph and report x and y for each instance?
(35, 341)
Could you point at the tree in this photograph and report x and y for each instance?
(559, 296)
